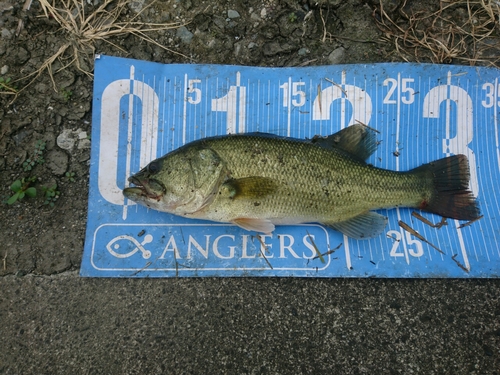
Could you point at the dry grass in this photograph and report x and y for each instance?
(461, 31)
(80, 31)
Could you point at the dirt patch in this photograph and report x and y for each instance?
(45, 234)
(452, 32)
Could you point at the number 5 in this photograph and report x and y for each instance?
(197, 92)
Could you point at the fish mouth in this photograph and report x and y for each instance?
(144, 188)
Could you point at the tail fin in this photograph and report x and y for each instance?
(451, 196)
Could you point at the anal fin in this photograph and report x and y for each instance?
(257, 225)
(364, 226)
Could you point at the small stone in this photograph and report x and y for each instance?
(237, 49)
(66, 79)
(83, 143)
(6, 33)
(232, 14)
(336, 56)
(49, 137)
(4, 70)
(255, 17)
(273, 48)
(136, 5)
(82, 134)
(84, 158)
(251, 45)
(263, 13)
(184, 34)
(22, 56)
(66, 139)
(303, 51)
(57, 162)
(219, 22)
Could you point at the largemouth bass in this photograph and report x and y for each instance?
(258, 180)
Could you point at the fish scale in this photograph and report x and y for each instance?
(258, 180)
(303, 168)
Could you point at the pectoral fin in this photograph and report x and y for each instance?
(249, 187)
(364, 226)
(257, 225)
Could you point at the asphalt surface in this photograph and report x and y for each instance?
(64, 324)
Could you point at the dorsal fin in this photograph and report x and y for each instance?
(357, 140)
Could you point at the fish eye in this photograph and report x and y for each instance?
(154, 167)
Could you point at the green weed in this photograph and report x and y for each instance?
(51, 195)
(36, 157)
(70, 176)
(6, 86)
(22, 188)
(66, 94)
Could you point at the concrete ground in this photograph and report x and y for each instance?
(64, 324)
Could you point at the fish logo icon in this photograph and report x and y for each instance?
(124, 242)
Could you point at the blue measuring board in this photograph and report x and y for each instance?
(143, 110)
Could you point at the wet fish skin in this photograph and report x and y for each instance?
(259, 180)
